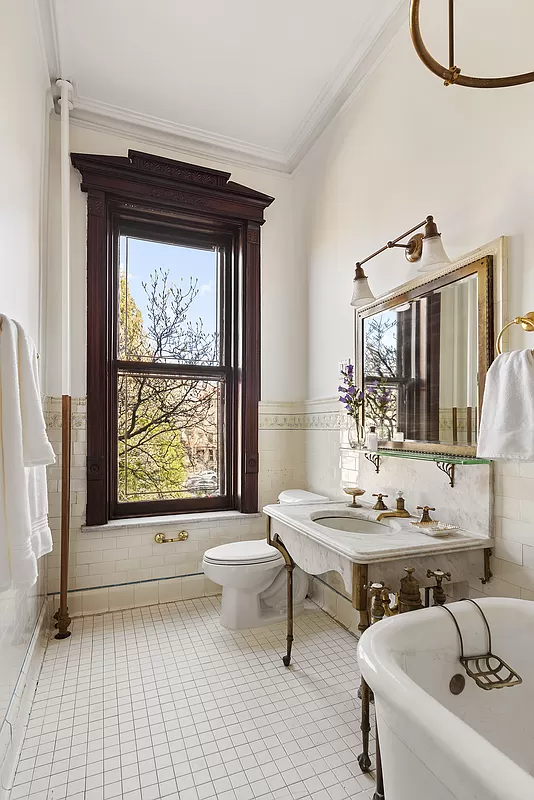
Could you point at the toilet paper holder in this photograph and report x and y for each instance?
(160, 538)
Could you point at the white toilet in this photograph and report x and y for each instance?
(253, 576)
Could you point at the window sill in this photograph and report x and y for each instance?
(201, 517)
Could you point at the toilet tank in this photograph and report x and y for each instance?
(299, 497)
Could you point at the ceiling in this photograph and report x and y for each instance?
(256, 80)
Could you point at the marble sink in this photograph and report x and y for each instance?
(349, 522)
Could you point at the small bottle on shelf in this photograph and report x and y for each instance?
(372, 439)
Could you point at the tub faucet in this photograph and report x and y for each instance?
(399, 512)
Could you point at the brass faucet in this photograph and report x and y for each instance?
(400, 511)
(425, 516)
(380, 505)
(440, 597)
(408, 599)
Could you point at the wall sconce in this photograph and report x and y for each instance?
(424, 247)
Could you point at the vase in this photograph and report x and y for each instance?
(356, 434)
(383, 431)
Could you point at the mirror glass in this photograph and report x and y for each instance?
(421, 364)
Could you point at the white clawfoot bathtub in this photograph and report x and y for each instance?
(478, 745)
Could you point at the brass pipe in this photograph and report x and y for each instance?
(277, 543)
(451, 35)
(453, 75)
(62, 614)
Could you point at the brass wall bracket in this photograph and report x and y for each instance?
(488, 574)
(160, 538)
(448, 469)
(374, 458)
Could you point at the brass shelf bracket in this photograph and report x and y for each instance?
(374, 458)
(448, 469)
(488, 574)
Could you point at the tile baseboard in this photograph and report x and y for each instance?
(102, 599)
(13, 728)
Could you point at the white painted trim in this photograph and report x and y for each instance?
(14, 727)
(49, 38)
(353, 72)
(197, 143)
(350, 79)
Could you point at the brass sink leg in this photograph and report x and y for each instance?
(290, 565)
(359, 594)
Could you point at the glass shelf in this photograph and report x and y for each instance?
(437, 457)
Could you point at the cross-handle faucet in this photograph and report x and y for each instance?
(400, 510)
(380, 605)
(425, 516)
(439, 594)
(380, 505)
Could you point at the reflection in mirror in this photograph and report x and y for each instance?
(421, 367)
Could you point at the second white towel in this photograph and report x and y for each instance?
(507, 421)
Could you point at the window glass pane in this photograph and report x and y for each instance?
(168, 302)
(170, 438)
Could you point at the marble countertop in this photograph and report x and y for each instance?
(397, 540)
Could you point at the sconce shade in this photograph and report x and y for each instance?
(434, 255)
(361, 292)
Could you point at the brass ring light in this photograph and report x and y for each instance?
(452, 74)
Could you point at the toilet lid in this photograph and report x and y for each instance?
(255, 552)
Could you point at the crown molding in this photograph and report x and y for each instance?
(196, 143)
(49, 39)
(372, 44)
(193, 142)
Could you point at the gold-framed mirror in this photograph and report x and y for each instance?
(422, 353)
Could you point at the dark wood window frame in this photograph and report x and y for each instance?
(162, 194)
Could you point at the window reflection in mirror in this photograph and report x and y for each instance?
(420, 362)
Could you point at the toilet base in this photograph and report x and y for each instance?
(241, 610)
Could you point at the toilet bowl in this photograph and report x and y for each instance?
(253, 577)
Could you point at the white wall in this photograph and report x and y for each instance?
(23, 104)
(284, 302)
(404, 148)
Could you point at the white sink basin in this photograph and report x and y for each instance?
(348, 523)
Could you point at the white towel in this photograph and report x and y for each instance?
(507, 421)
(24, 531)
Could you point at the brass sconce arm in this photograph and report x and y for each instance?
(412, 247)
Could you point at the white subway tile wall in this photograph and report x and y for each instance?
(112, 569)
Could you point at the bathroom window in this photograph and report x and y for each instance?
(173, 338)
(173, 370)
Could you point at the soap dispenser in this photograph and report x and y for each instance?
(372, 439)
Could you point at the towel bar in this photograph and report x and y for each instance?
(526, 322)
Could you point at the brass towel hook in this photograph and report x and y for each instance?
(526, 322)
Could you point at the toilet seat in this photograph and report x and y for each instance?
(245, 553)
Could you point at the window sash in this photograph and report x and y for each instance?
(224, 372)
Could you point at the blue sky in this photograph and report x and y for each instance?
(183, 263)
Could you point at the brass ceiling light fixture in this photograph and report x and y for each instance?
(452, 74)
(424, 247)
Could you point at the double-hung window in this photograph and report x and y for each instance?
(173, 358)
